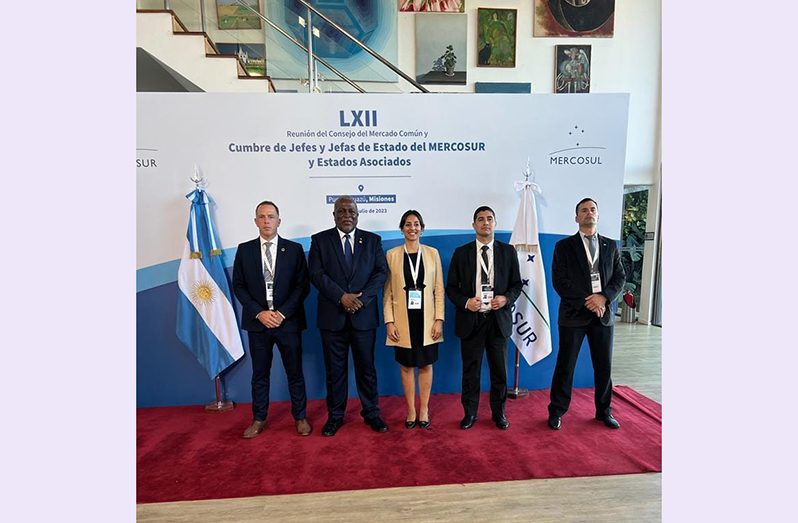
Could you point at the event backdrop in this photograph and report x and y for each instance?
(442, 154)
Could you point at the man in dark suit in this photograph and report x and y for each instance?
(483, 283)
(588, 275)
(347, 266)
(270, 279)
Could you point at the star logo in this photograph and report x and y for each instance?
(526, 283)
(530, 257)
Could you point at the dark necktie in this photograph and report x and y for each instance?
(592, 243)
(348, 253)
(485, 279)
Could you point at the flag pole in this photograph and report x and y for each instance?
(219, 405)
(516, 392)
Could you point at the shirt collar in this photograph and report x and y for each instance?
(341, 234)
(480, 244)
(263, 242)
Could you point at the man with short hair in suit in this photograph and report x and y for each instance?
(270, 279)
(483, 283)
(588, 275)
(348, 267)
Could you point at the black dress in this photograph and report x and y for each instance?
(419, 355)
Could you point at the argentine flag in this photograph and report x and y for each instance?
(531, 329)
(206, 323)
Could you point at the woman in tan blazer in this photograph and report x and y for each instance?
(413, 310)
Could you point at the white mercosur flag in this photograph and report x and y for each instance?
(530, 313)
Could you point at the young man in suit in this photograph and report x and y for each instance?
(588, 275)
(348, 267)
(483, 283)
(270, 279)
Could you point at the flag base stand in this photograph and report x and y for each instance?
(219, 405)
(516, 392)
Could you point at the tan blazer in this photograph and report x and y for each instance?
(394, 303)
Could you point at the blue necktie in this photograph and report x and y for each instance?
(348, 253)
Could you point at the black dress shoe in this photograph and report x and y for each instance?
(555, 422)
(467, 422)
(331, 427)
(501, 422)
(410, 424)
(425, 424)
(609, 421)
(376, 424)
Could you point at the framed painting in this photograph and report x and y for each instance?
(496, 30)
(591, 18)
(432, 6)
(441, 56)
(572, 73)
(251, 55)
(233, 16)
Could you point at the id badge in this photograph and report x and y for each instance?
(414, 299)
(487, 295)
(595, 282)
(270, 292)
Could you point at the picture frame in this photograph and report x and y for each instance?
(496, 37)
(252, 56)
(572, 68)
(574, 18)
(432, 6)
(441, 48)
(231, 16)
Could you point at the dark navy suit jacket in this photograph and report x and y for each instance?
(570, 273)
(291, 284)
(329, 275)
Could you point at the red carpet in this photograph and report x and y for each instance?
(184, 453)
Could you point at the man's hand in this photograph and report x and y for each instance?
(270, 319)
(596, 303)
(498, 302)
(473, 304)
(351, 303)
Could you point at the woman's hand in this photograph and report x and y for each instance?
(437, 329)
(393, 332)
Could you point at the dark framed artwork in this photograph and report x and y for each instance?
(502, 87)
(251, 55)
(496, 30)
(572, 74)
(234, 16)
(590, 18)
(432, 6)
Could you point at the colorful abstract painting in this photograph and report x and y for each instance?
(441, 51)
(573, 69)
(432, 6)
(496, 30)
(372, 22)
(590, 18)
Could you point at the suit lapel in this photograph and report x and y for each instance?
(472, 267)
(357, 247)
(581, 255)
(257, 260)
(277, 260)
(337, 247)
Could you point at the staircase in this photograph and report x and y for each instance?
(193, 55)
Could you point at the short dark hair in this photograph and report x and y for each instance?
(411, 212)
(267, 202)
(483, 208)
(583, 200)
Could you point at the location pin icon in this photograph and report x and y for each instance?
(360, 188)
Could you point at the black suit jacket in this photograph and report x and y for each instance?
(571, 276)
(291, 284)
(330, 277)
(460, 285)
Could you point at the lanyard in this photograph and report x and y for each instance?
(414, 270)
(489, 269)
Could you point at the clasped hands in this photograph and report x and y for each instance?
(596, 303)
(474, 304)
(270, 319)
(393, 332)
(351, 303)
